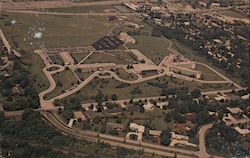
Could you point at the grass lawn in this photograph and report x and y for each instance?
(155, 48)
(83, 75)
(79, 56)
(67, 78)
(82, 9)
(124, 55)
(208, 74)
(41, 81)
(57, 31)
(125, 75)
(104, 58)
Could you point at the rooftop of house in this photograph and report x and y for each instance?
(138, 128)
(155, 132)
(234, 110)
(79, 115)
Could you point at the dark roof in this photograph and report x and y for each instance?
(107, 43)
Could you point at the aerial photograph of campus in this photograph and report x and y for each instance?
(124, 79)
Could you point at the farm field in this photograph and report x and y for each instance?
(76, 30)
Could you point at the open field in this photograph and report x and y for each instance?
(155, 48)
(83, 75)
(56, 31)
(82, 9)
(187, 52)
(151, 88)
(79, 56)
(64, 80)
(104, 58)
(41, 81)
(207, 74)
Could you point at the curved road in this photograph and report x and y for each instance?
(117, 141)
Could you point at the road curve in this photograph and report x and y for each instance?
(117, 141)
(202, 140)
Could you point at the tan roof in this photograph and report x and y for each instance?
(79, 115)
(154, 132)
(234, 110)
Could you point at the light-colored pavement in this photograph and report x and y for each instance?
(202, 140)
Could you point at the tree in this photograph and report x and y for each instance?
(165, 137)
(196, 93)
(114, 97)
(168, 117)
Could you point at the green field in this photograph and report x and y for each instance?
(67, 79)
(155, 48)
(57, 31)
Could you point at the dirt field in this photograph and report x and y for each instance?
(55, 31)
